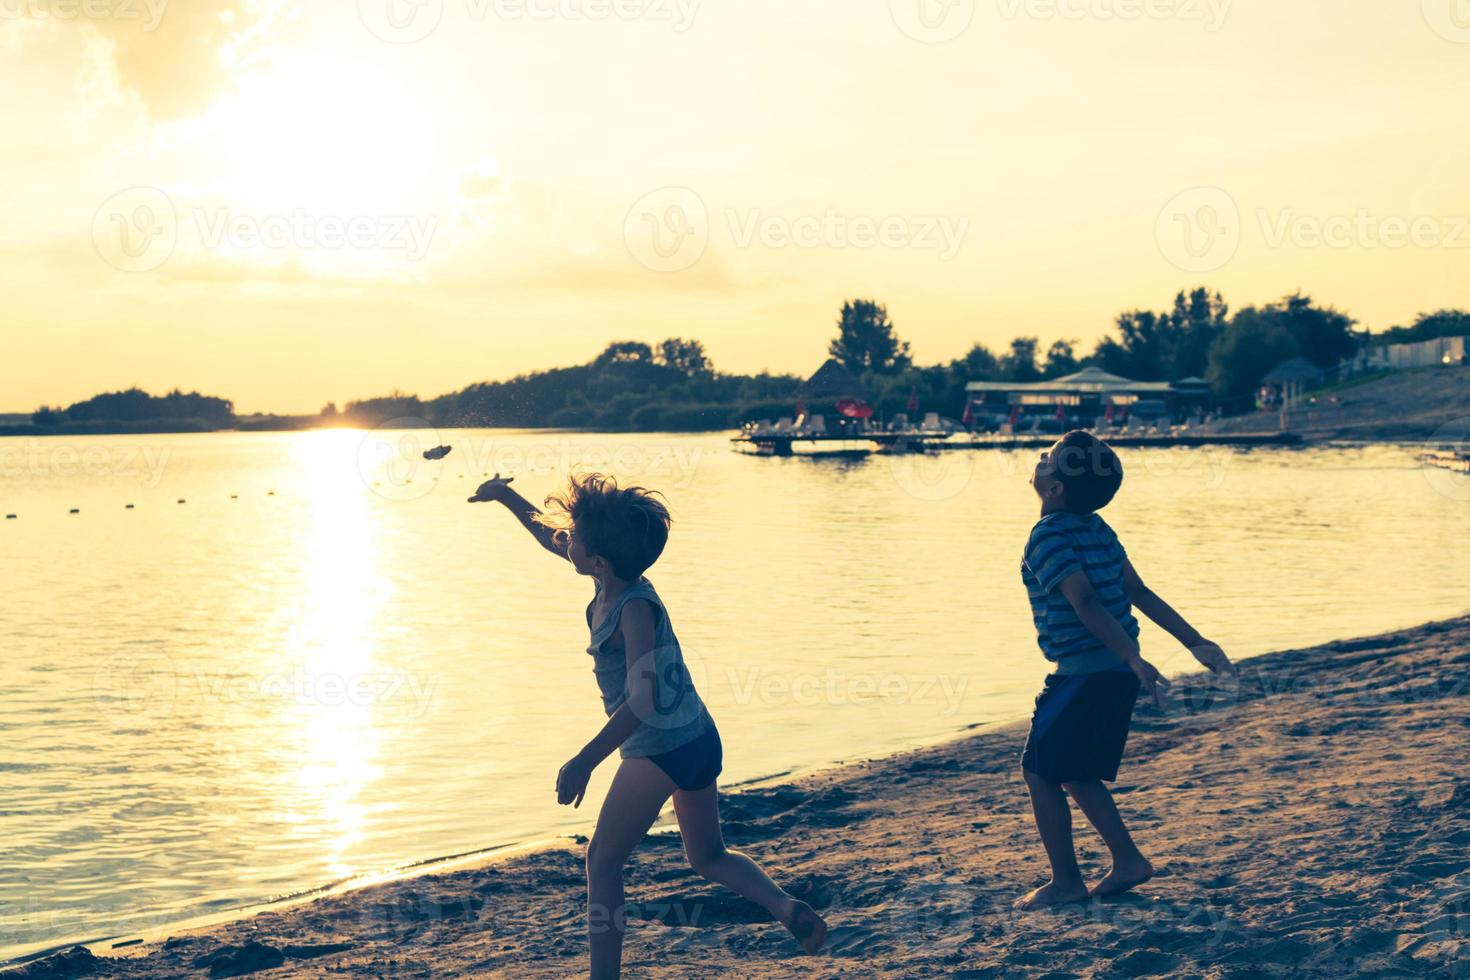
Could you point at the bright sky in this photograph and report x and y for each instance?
(287, 203)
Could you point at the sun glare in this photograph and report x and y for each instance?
(338, 136)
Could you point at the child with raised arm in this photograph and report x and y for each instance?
(1083, 591)
(656, 720)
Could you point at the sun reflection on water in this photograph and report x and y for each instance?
(331, 647)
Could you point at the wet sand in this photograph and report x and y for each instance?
(1311, 818)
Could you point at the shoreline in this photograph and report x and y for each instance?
(1385, 432)
(121, 943)
(1338, 841)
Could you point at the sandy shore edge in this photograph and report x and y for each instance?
(1310, 818)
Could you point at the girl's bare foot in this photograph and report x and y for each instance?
(1123, 877)
(809, 928)
(1052, 893)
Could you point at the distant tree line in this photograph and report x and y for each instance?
(1196, 336)
(136, 405)
(1428, 326)
(673, 386)
(630, 386)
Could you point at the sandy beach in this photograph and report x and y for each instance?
(1310, 819)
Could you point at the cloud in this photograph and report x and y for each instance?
(176, 56)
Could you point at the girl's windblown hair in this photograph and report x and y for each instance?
(627, 526)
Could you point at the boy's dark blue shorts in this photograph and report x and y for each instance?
(1080, 726)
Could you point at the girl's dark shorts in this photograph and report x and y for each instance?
(694, 765)
(1080, 726)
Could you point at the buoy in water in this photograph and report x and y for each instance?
(76, 510)
(129, 507)
(10, 517)
(181, 500)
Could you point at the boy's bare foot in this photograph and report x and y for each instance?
(1123, 877)
(809, 928)
(1052, 893)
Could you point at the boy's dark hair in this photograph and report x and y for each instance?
(1089, 471)
(626, 526)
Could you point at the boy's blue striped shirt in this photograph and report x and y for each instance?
(1060, 545)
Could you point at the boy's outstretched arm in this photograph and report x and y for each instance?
(1102, 624)
(1148, 602)
(526, 512)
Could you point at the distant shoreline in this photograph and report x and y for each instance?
(1388, 432)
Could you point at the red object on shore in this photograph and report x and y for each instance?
(855, 408)
(913, 400)
(800, 407)
(1015, 414)
(969, 417)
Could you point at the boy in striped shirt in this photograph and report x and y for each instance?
(1083, 591)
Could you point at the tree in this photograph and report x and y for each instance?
(1061, 359)
(1325, 336)
(866, 340)
(1254, 343)
(980, 364)
(1147, 342)
(685, 356)
(622, 351)
(1165, 346)
(1020, 363)
(1429, 326)
(1258, 339)
(1198, 319)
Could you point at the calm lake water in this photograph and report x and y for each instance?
(325, 663)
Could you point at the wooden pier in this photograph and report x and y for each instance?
(797, 443)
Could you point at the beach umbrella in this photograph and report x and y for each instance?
(969, 416)
(855, 408)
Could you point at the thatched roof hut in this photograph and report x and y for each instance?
(832, 382)
(1298, 370)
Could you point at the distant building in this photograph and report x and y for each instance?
(1288, 381)
(1439, 351)
(1191, 395)
(1076, 399)
(833, 383)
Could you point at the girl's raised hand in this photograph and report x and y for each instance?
(490, 490)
